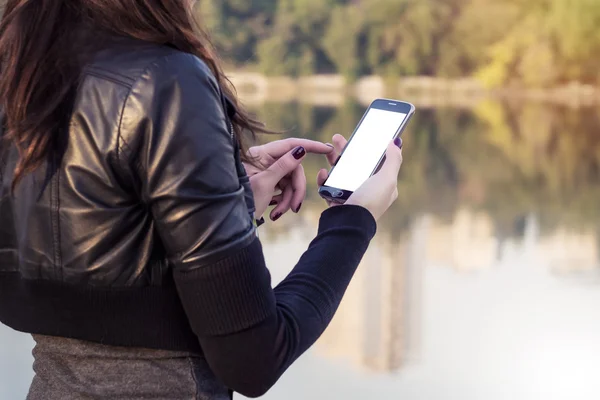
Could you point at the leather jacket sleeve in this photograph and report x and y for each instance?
(175, 129)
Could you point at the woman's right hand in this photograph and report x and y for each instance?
(380, 191)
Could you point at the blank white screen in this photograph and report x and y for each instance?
(366, 148)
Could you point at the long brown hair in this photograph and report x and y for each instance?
(41, 53)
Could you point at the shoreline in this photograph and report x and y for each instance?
(332, 90)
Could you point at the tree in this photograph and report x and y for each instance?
(342, 40)
(534, 43)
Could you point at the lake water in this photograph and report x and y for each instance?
(484, 279)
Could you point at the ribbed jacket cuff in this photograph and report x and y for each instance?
(228, 296)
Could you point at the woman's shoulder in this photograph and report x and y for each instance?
(131, 82)
(128, 60)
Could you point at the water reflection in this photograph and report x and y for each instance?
(506, 159)
(504, 198)
(451, 309)
(377, 326)
(483, 280)
(481, 175)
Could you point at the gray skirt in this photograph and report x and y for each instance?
(67, 369)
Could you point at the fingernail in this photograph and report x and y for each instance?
(398, 142)
(273, 203)
(276, 217)
(299, 207)
(299, 152)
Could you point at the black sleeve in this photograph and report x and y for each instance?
(250, 358)
(249, 332)
(176, 125)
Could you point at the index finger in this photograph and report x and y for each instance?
(280, 147)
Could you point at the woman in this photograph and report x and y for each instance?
(128, 246)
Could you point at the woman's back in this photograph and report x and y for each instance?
(85, 229)
(90, 240)
(128, 243)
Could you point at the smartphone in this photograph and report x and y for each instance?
(383, 121)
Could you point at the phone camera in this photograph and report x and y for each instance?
(337, 193)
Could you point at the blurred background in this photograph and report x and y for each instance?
(484, 279)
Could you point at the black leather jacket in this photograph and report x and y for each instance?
(95, 220)
(141, 235)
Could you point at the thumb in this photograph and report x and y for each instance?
(393, 158)
(286, 164)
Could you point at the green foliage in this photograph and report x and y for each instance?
(341, 40)
(534, 43)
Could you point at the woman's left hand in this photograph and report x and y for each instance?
(281, 180)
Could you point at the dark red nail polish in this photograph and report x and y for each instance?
(299, 207)
(273, 203)
(398, 142)
(299, 152)
(276, 216)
